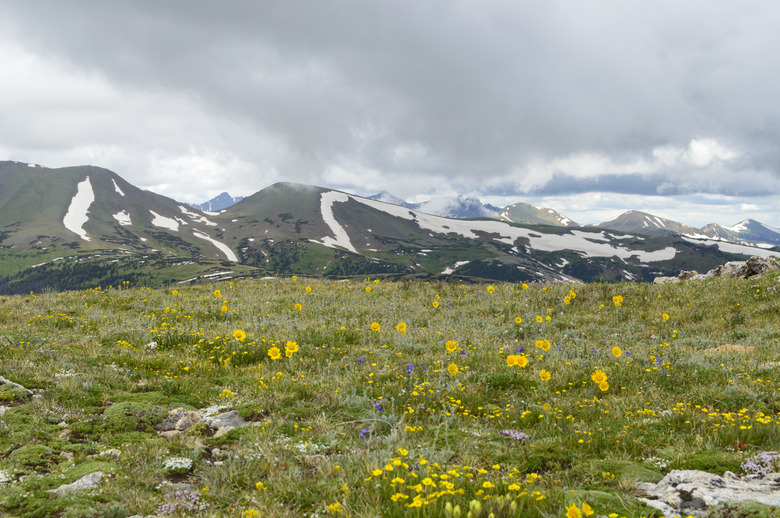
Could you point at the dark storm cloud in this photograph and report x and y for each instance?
(470, 92)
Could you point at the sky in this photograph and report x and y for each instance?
(591, 108)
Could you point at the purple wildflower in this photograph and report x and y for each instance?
(514, 434)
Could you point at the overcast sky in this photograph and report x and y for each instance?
(589, 107)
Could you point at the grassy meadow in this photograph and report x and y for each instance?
(367, 398)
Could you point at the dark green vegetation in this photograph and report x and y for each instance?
(366, 398)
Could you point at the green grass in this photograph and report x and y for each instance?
(363, 422)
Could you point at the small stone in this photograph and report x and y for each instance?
(178, 419)
(112, 453)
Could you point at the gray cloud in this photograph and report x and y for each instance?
(516, 97)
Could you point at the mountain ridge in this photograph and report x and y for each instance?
(119, 232)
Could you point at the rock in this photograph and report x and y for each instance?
(112, 453)
(746, 269)
(729, 269)
(178, 419)
(86, 482)
(231, 419)
(665, 280)
(689, 492)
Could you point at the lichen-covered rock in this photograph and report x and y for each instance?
(689, 492)
(178, 419)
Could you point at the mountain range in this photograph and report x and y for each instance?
(748, 231)
(81, 227)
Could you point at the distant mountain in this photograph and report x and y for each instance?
(459, 207)
(747, 231)
(643, 223)
(525, 214)
(80, 227)
(219, 202)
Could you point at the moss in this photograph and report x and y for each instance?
(631, 470)
(711, 461)
(10, 393)
(36, 456)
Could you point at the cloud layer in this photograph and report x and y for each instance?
(494, 98)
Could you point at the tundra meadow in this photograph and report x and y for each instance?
(369, 398)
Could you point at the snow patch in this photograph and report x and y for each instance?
(77, 217)
(586, 243)
(163, 222)
(733, 248)
(116, 188)
(742, 226)
(196, 217)
(326, 207)
(123, 217)
(231, 256)
(458, 264)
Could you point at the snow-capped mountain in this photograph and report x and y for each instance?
(647, 224)
(219, 202)
(526, 214)
(458, 207)
(747, 231)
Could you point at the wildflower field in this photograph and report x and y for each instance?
(369, 398)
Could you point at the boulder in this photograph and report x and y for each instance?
(746, 269)
(690, 492)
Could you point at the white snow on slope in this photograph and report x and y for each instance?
(231, 256)
(116, 188)
(733, 248)
(587, 243)
(742, 226)
(326, 207)
(163, 222)
(123, 217)
(458, 264)
(77, 217)
(197, 218)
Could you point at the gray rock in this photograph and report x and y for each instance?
(225, 419)
(178, 419)
(730, 269)
(86, 482)
(689, 492)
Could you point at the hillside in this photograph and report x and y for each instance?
(78, 227)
